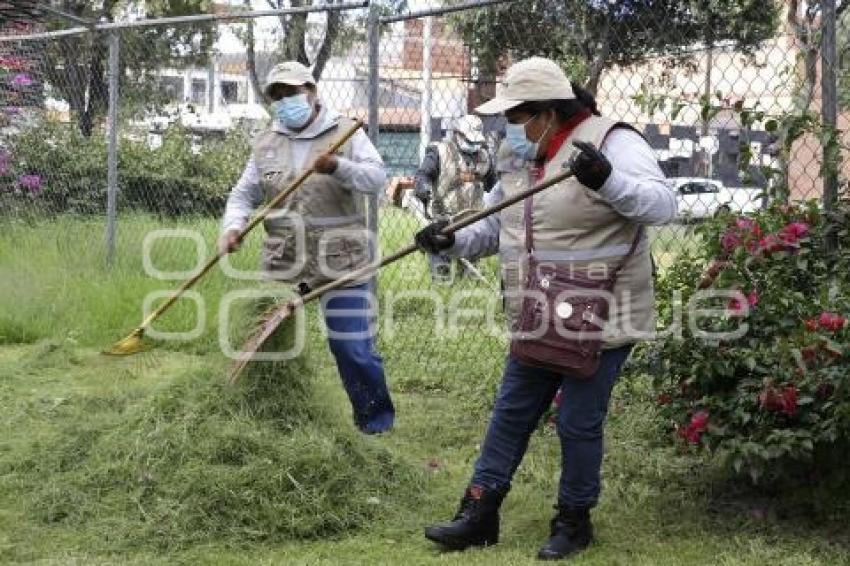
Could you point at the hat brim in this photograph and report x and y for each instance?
(497, 106)
(290, 82)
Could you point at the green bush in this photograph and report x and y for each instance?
(774, 402)
(52, 168)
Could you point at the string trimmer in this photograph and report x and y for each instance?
(133, 343)
(282, 313)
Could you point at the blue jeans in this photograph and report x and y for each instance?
(525, 394)
(348, 314)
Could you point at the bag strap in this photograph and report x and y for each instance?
(528, 218)
(632, 249)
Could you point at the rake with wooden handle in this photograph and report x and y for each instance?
(283, 312)
(133, 344)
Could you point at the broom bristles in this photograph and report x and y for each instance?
(270, 321)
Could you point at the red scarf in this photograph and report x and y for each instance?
(557, 140)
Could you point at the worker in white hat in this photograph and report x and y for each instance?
(584, 226)
(453, 177)
(320, 233)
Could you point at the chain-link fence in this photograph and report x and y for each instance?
(146, 125)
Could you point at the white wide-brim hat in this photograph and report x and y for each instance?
(535, 78)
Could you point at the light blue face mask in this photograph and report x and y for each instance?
(518, 141)
(293, 111)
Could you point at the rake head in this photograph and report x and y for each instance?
(132, 344)
(272, 321)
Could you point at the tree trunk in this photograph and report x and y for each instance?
(326, 50)
(97, 89)
(294, 30)
(599, 59)
(252, 60)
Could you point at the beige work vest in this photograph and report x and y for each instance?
(319, 233)
(452, 194)
(576, 229)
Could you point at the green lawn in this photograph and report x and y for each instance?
(59, 304)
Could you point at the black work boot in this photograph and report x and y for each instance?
(475, 524)
(571, 533)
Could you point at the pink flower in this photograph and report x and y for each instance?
(730, 241)
(5, 161)
(769, 399)
(558, 398)
(13, 63)
(771, 244)
(794, 231)
(693, 432)
(21, 80)
(32, 183)
(753, 298)
(809, 353)
(788, 404)
(749, 226)
(700, 420)
(736, 304)
(832, 321)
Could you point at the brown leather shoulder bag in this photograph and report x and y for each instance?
(563, 315)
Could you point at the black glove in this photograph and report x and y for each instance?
(422, 191)
(590, 166)
(431, 241)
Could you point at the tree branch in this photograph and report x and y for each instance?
(334, 24)
(252, 60)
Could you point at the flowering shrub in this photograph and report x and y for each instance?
(52, 168)
(777, 392)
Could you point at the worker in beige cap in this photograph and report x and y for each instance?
(320, 232)
(589, 224)
(452, 178)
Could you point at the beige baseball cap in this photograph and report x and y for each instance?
(535, 78)
(289, 73)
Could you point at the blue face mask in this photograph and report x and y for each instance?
(518, 141)
(293, 111)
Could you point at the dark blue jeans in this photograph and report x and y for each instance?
(525, 394)
(348, 313)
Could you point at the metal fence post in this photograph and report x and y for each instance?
(829, 113)
(112, 152)
(374, 38)
(427, 89)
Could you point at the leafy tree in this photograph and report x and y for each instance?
(75, 66)
(589, 36)
(341, 29)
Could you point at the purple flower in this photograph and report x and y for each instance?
(21, 80)
(12, 110)
(5, 161)
(32, 183)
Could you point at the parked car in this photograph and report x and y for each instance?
(700, 198)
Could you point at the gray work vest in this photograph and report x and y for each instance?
(461, 183)
(319, 233)
(576, 229)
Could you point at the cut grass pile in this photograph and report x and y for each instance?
(198, 461)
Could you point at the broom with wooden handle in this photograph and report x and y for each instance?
(133, 343)
(282, 313)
